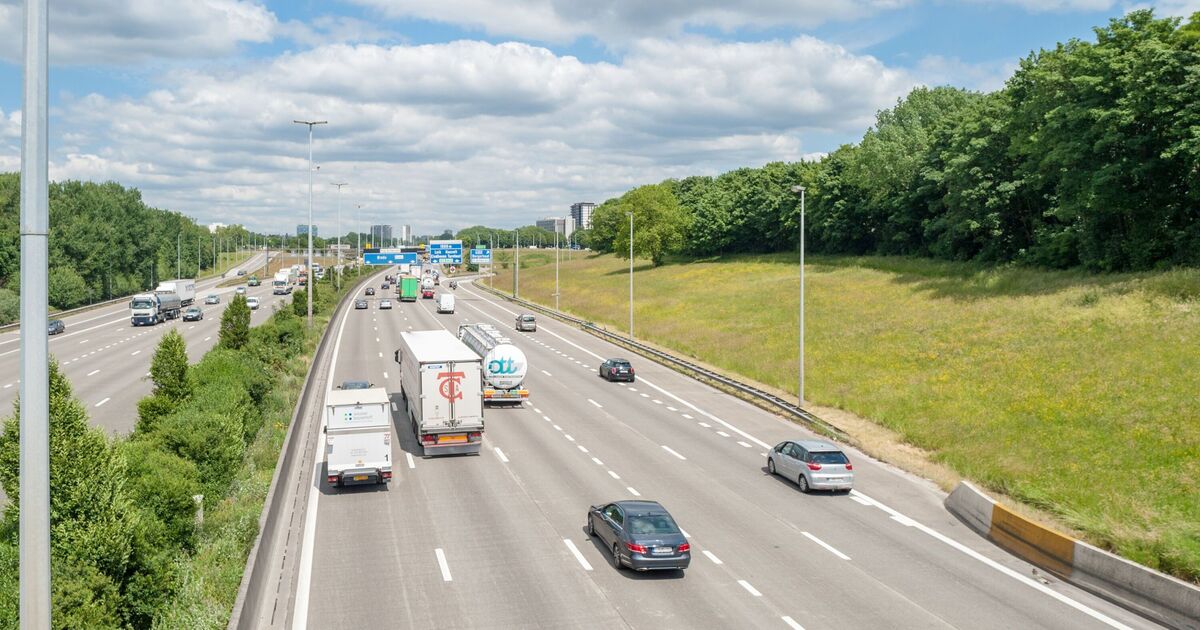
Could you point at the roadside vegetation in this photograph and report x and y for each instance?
(129, 546)
(1072, 392)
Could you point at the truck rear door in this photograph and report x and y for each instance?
(468, 409)
(438, 386)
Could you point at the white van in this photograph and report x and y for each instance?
(445, 303)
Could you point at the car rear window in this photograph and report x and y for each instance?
(654, 524)
(828, 457)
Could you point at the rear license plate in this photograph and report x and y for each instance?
(452, 439)
(360, 477)
(663, 551)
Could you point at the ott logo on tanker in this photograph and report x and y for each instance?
(502, 366)
(449, 387)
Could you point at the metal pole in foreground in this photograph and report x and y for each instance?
(630, 274)
(557, 256)
(800, 391)
(338, 267)
(309, 289)
(34, 528)
(179, 255)
(517, 264)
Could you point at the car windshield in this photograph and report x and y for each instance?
(193, 310)
(652, 524)
(142, 304)
(620, 364)
(527, 318)
(355, 385)
(828, 457)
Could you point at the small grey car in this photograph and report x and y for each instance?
(812, 464)
(640, 535)
(526, 323)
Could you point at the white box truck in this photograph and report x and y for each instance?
(184, 288)
(445, 303)
(441, 380)
(358, 437)
(281, 284)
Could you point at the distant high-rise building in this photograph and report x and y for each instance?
(381, 235)
(552, 224)
(568, 226)
(302, 230)
(405, 235)
(582, 213)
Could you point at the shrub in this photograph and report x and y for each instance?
(235, 324)
(169, 368)
(150, 410)
(163, 484)
(214, 442)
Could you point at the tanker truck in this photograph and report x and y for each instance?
(504, 364)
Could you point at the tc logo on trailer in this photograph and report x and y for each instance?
(449, 387)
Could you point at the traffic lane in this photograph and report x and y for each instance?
(87, 317)
(501, 572)
(565, 481)
(923, 546)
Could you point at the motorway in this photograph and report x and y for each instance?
(498, 540)
(108, 360)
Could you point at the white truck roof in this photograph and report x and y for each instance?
(371, 396)
(437, 346)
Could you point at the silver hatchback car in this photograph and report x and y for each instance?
(812, 464)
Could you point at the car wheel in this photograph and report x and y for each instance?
(770, 465)
(803, 483)
(616, 558)
(591, 527)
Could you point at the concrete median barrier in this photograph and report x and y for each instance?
(1162, 598)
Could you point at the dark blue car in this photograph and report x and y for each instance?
(640, 535)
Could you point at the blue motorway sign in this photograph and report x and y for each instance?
(481, 256)
(445, 252)
(390, 258)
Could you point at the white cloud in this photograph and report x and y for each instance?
(612, 20)
(468, 132)
(130, 31)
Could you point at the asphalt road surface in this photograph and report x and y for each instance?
(108, 360)
(498, 540)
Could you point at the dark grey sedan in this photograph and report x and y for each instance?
(640, 535)
(56, 327)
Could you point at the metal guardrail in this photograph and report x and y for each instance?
(750, 392)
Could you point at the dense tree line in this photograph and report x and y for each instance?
(104, 242)
(1089, 156)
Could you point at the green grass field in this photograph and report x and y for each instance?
(1074, 393)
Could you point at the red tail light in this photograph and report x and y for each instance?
(685, 547)
(612, 370)
(813, 466)
(474, 435)
(635, 548)
(428, 439)
(387, 475)
(849, 466)
(333, 479)
(631, 370)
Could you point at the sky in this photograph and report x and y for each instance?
(450, 113)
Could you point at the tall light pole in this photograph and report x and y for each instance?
(800, 391)
(34, 527)
(557, 258)
(178, 255)
(517, 263)
(358, 230)
(630, 215)
(309, 291)
(337, 277)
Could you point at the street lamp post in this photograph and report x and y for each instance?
(309, 292)
(800, 391)
(630, 274)
(178, 255)
(557, 259)
(338, 267)
(517, 263)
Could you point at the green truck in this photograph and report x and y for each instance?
(407, 289)
(253, 281)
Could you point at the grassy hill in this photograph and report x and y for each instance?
(1072, 392)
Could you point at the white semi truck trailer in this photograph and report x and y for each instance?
(441, 380)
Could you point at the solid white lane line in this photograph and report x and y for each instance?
(135, 353)
(581, 448)
(598, 405)
(102, 402)
(547, 373)
(860, 500)
(826, 545)
(791, 623)
(904, 520)
(709, 554)
(750, 589)
(441, 558)
(633, 492)
(93, 372)
(500, 454)
(745, 444)
(613, 475)
(411, 462)
(598, 462)
(684, 532)
(673, 452)
(578, 556)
